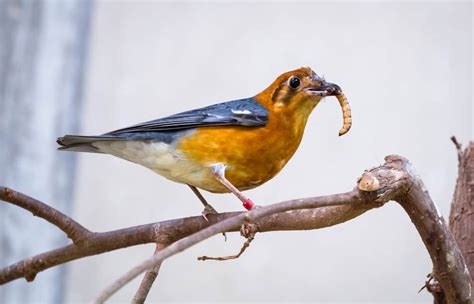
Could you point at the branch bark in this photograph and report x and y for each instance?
(148, 280)
(461, 218)
(171, 231)
(75, 231)
(449, 266)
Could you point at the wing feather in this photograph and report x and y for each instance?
(242, 112)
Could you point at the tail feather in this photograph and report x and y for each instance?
(79, 143)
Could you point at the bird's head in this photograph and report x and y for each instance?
(297, 92)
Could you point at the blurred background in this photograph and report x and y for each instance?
(93, 66)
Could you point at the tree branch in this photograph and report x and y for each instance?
(394, 180)
(148, 279)
(229, 224)
(172, 230)
(461, 217)
(73, 229)
(248, 231)
(449, 267)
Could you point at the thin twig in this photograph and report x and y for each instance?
(75, 231)
(148, 279)
(230, 257)
(458, 146)
(248, 231)
(456, 143)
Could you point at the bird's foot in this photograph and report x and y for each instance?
(208, 209)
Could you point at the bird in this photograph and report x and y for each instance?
(227, 147)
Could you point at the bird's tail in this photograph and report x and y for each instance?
(79, 143)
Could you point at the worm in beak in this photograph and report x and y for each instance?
(331, 89)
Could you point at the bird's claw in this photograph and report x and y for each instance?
(208, 209)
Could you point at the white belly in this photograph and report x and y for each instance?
(164, 160)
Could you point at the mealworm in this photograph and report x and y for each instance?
(346, 113)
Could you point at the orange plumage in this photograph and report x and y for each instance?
(255, 155)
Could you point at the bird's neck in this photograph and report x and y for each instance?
(291, 117)
(288, 120)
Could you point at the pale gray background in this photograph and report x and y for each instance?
(43, 45)
(407, 71)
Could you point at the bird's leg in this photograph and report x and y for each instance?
(208, 209)
(219, 173)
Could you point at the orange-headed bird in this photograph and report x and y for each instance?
(226, 147)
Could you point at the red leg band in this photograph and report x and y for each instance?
(248, 204)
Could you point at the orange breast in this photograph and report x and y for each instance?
(252, 155)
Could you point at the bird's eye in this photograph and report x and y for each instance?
(294, 82)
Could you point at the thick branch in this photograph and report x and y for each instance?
(172, 230)
(449, 267)
(73, 229)
(461, 218)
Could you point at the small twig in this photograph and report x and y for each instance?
(461, 216)
(249, 239)
(458, 146)
(427, 282)
(433, 287)
(456, 143)
(148, 280)
(75, 231)
(437, 292)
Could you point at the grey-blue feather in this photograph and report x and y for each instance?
(243, 112)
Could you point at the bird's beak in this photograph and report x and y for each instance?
(325, 89)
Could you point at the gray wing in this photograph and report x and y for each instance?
(242, 112)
